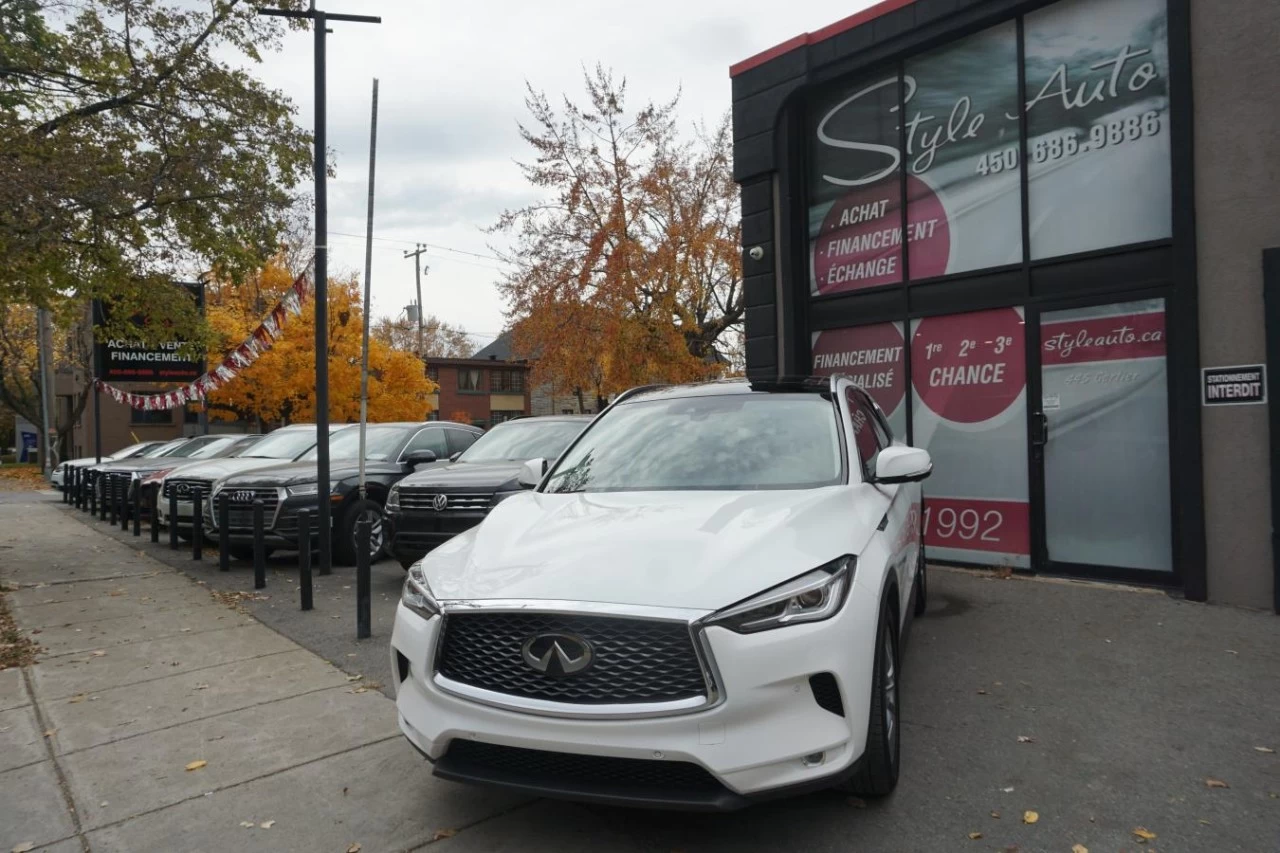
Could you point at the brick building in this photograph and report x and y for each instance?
(483, 390)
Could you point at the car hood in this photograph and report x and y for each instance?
(216, 469)
(138, 462)
(701, 550)
(466, 475)
(293, 473)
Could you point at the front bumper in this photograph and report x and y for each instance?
(763, 739)
(413, 534)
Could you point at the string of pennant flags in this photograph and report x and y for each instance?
(235, 362)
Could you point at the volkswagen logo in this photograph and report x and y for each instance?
(557, 655)
(440, 503)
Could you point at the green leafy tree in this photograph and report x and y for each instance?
(136, 149)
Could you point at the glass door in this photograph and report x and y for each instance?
(1100, 439)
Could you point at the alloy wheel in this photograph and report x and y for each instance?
(889, 694)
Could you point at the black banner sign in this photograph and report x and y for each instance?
(1235, 386)
(121, 360)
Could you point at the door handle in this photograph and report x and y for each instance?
(1039, 429)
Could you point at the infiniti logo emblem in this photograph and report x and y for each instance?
(440, 503)
(183, 488)
(557, 655)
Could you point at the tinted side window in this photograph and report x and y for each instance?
(428, 439)
(460, 440)
(868, 435)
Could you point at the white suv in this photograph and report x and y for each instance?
(700, 604)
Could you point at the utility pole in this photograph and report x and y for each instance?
(417, 274)
(44, 351)
(320, 23)
(368, 287)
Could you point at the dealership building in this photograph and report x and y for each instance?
(1045, 236)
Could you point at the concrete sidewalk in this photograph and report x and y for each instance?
(143, 672)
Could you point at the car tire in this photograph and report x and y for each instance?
(344, 546)
(877, 773)
(922, 586)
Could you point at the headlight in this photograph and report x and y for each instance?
(304, 489)
(393, 498)
(811, 597)
(416, 596)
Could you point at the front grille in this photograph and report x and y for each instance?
(633, 660)
(116, 484)
(421, 500)
(240, 508)
(567, 770)
(185, 489)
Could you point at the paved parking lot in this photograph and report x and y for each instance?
(1103, 710)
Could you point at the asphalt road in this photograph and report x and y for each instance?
(1101, 709)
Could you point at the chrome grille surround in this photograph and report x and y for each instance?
(414, 499)
(240, 511)
(191, 484)
(688, 622)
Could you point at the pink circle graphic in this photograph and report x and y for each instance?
(968, 368)
(871, 355)
(860, 242)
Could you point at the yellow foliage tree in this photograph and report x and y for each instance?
(279, 388)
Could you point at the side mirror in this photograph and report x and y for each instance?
(420, 457)
(903, 465)
(454, 457)
(532, 472)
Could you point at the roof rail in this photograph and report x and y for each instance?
(639, 389)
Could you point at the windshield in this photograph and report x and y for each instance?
(244, 446)
(522, 440)
(130, 451)
(729, 442)
(380, 443)
(283, 444)
(165, 449)
(202, 448)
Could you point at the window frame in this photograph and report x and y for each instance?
(408, 445)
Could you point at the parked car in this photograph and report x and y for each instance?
(431, 506)
(282, 445)
(117, 473)
(701, 604)
(391, 452)
(59, 472)
(141, 485)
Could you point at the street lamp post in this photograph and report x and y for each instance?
(320, 21)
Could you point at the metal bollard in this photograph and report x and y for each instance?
(93, 496)
(125, 490)
(197, 531)
(224, 538)
(304, 559)
(82, 498)
(363, 618)
(137, 511)
(65, 488)
(106, 495)
(111, 499)
(259, 548)
(173, 514)
(155, 516)
(75, 486)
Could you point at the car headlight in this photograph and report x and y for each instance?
(416, 595)
(304, 489)
(393, 498)
(812, 597)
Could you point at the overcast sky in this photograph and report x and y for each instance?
(451, 93)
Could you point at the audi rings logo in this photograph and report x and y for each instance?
(243, 496)
(557, 655)
(440, 503)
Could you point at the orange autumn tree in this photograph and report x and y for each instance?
(279, 388)
(627, 270)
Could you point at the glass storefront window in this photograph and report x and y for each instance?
(964, 186)
(855, 186)
(873, 357)
(1106, 460)
(969, 409)
(1099, 171)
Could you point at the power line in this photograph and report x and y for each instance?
(415, 244)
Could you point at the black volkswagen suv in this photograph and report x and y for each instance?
(432, 506)
(391, 451)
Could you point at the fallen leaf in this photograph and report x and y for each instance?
(996, 815)
(1215, 783)
(1144, 833)
(354, 848)
(981, 692)
(1079, 848)
(1232, 652)
(1205, 822)
(974, 836)
(102, 804)
(1266, 750)
(51, 733)
(116, 592)
(359, 690)
(24, 847)
(266, 824)
(1008, 790)
(247, 824)
(201, 687)
(1030, 817)
(196, 765)
(97, 654)
(344, 792)
(857, 802)
(1004, 572)
(354, 677)
(185, 631)
(1026, 739)
(79, 697)
(444, 833)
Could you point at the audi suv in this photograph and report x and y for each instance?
(700, 604)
